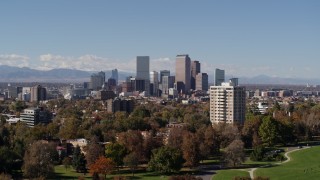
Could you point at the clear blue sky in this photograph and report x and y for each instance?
(247, 37)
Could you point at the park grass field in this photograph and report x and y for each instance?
(62, 173)
(304, 164)
(230, 174)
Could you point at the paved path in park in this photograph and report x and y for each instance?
(207, 171)
(251, 171)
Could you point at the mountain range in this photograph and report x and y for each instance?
(25, 74)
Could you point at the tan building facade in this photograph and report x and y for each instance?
(227, 104)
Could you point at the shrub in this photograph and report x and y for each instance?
(258, 153)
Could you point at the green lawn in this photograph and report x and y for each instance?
(142, 175)
(230, 174)
(304, 164)
(62, 173)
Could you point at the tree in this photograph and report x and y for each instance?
(166, 160)
(276, 106)
(150, 143)
(103, 166)
(132, 140)
(251, 129)
(207, 142)
(38, 160)
(69, 128)
(257, 153)
(4, 136)
(78, 160)
(190, 147)
(132, 161)
(234, 153)
(225, 134)
(116, 152)
(18, 106)
(268, 131)
(93, 151)
(141, 112)
(67, 162)
(4, 176)
(175, 138)
(7, 159)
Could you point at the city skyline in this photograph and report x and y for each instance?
(244, 38)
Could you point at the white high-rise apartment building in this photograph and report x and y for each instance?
(227, 103)
(219, 77)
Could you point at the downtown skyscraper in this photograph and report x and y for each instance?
(143, 67)
(219, 77)
(183, 73)
(143, 72)
(195, 69)
(114, 75)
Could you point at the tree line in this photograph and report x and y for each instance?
(143, 137)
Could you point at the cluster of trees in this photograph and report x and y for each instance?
(282, 125)
(143, 138)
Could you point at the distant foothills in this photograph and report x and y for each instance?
(25, 74)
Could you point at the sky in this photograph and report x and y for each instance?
(279, 38)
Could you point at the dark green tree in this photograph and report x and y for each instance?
(268, 131)
(7, 159)
(116, 152)
(257, 153)
(140, 111)
(78, 160)
(166, 160)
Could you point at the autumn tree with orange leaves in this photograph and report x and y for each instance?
(103, 166)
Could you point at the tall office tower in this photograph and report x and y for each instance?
(97, 81)
(195, 69)
(38, 93)
(164, 73)
(227, 103)
(115, 75)
(219, 77)
(103, 75)
(143, 72)
(26, 93)
(234, 81)
(167, 83)
(154, 82)
(14, 91)
(202, 82)
(143, 67)
(183, 73)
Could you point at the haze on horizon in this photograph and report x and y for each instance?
(246, 38)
